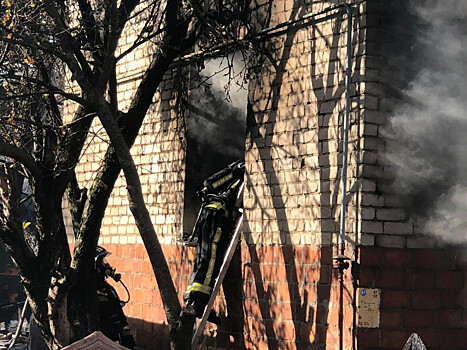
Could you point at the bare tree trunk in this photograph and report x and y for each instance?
(141, 214)
(63, 291)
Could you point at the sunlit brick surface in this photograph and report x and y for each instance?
(283, 291)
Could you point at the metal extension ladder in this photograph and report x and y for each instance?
(195, 342)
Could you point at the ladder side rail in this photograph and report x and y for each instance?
(225, 265)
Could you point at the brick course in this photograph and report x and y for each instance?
(288, 310)
(289, 295)
(411, 301)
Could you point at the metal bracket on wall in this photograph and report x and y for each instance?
(195, 342)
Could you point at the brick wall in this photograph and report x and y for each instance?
(292, 199)
(423, 291)
(282, 292)
(422, 280)
(284, 296)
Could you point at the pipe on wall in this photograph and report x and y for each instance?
(348, 74)
(340, 260)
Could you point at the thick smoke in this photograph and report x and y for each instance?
(430, 126)
(217, 104)
(217, 113)
(227, 78)
(215, 124)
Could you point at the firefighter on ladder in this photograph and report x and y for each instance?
(212, 231)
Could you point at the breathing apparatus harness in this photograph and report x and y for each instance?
(217, 187)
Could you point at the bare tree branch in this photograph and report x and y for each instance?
(141, 39)
(69, 96)
(22, 156)
(4, 53)
(112, 42)
(52, 100)
(77, 198)
(140, 212)
(73, 56)
(11, 228)
(125, 10)
(88, 23)
(32, 45)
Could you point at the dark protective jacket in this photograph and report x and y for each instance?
(112, 320)
(213, 230)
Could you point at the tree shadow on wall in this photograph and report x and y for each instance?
(229, 335)
(149, 335)
(328, 93)
(228, 304)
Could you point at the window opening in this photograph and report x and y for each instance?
(215, 119)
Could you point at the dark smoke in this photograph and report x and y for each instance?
(430, 126)
(215, 126)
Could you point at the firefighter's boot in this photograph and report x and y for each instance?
(196, 309)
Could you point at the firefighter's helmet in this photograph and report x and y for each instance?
(103, 268)
(101, 252)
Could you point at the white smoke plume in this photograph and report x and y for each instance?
(431, 125)
(228, 76)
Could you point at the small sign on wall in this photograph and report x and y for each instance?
(368, 304)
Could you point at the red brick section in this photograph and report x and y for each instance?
(422, 291)
(287, 294)
(288, 298)
(144, 311)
